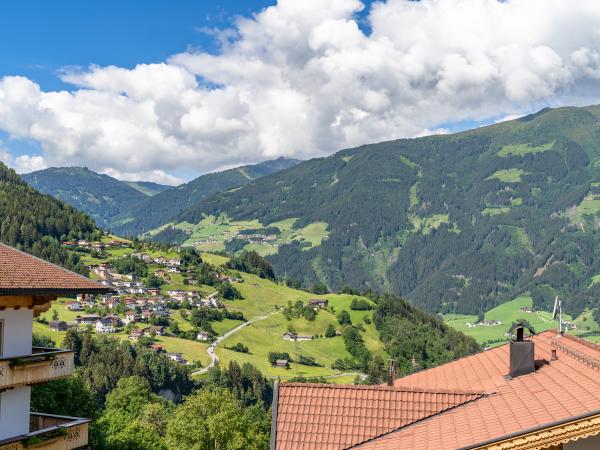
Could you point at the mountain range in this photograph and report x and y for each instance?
(457, 223)
(133, 207)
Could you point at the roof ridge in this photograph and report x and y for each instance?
(379, 387)
(589, 344)
(489, 349)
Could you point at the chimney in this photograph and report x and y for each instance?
(522, 359)
(391, 374)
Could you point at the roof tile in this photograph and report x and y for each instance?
(23, 274)
(331, 417)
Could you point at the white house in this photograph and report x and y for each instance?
(105, 326)
(202, 336)
(25, 285)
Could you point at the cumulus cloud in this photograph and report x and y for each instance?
(22, 163)
(302, 79)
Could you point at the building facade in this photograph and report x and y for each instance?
(27, 287)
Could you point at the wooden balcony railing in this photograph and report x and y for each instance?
(49, 432)
(43, 364)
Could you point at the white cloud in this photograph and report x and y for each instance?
(23, 163)
(301, 79)
(157, 176)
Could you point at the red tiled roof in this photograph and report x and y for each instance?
(556, 391)
(23, 274)
(331, 417)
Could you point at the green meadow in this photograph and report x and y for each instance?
(261, 298)
(508, 175)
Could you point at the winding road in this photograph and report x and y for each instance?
(211, 349)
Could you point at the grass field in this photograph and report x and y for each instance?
(493, 210)
(590, 205)
(506, 313)
(523, 149)
(261, 298)
(265, 335)
(211, 233)
(508, 175)
(427, 224)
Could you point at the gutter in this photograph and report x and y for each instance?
(532, 430)
(274, 407)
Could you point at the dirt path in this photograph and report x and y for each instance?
(211, 349)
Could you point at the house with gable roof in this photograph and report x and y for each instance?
(538, 392)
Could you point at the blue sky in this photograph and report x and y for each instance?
(137, 90)
(45, 36)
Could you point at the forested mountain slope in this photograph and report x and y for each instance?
(101, 196)
(36, 223)
(455, 222)
(163, 207)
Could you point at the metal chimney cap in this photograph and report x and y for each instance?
(521, 324)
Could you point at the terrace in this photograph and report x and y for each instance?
(43, 364)
(50, 432)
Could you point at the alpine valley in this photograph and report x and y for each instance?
(457, 223)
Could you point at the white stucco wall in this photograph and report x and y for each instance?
(591, 443)
(17, 330)
(14, 412)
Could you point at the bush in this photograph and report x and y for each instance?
(274, 356)
(239, 347)
(344, 318)
(308, 361)
(359, 304)
(228, 292)
(330, 331)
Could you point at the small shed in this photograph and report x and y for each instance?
(58, 325)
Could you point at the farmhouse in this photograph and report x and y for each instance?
(58, 325)
(282, 364)
(113, 303)
(202, 336)
(105, 325)
(177, 357)
(136, 333)
(74, 306)
(539, 392)
(89, 319)
(318, 302)
(156, 348)
(158, 330)
(303, 337)
(289, 336)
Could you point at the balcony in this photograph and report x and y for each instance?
(50, 432)
(43, 364)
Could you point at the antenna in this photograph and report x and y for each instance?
(557, 311)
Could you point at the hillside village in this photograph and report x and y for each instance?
(169, 311)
